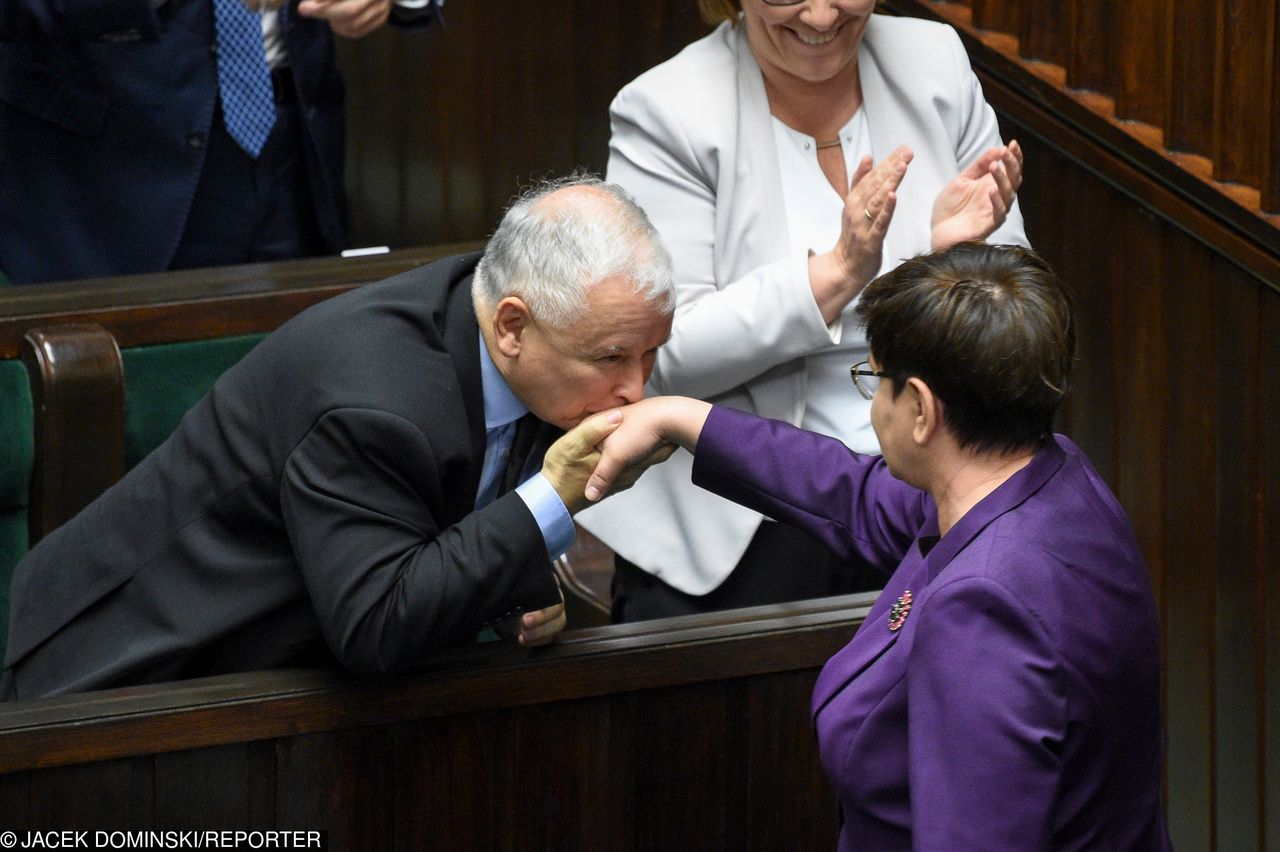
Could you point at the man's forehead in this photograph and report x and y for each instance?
(620, 334)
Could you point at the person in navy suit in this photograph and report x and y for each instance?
(114, 158)
(1004, 690)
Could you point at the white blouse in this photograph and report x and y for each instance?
(813, 210)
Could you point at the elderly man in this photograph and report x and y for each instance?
(1004, 691)
(339, 494)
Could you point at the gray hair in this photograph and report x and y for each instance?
(551, 252)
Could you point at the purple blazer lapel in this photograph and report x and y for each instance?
(1011, 494)
(916, 571)
(874, 636)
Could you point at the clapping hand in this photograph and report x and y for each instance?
(348, 18)
(837, 276)
(977, 201)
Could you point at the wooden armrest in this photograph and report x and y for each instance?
(77, 389)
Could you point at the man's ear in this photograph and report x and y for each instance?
(511, 318)
(926, 411)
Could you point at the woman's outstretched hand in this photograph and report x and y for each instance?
(650, 430)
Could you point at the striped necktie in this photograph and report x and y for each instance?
(244, 80)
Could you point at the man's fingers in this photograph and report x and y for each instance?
(661, 454)
(613, 473)
(590, 432)
(602, 478)
(538, 628)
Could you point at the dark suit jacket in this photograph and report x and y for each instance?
(104, 111)
(317, 504)
(1016, 704)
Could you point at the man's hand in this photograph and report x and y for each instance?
(531, 629)
(348, 18)
(571, 460)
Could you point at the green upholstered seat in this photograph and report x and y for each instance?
(17, 455)
(162, 382)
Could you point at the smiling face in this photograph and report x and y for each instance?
(815, 41)
(602, 361)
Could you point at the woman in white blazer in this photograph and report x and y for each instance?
(798, 151)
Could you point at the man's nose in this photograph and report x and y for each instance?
(631, 388)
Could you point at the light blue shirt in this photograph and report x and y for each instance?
(501, 411)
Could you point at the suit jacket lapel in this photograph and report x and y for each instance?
(518, 457)
(461, 337)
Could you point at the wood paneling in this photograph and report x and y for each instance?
(1195, 80)
(1246, 96)
(1175, 401)
(502, 96)
(462, 756)
(1175, 394)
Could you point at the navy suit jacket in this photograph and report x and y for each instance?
(318, 505)
(1016, 703)
(105, 106)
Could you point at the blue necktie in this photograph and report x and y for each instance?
(244, 80)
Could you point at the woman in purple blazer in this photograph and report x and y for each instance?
(1004, 691)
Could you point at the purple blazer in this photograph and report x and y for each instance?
(1016, 703)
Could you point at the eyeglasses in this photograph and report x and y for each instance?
(866, 380)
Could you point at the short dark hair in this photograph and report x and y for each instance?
(988, 328)
(717, 11)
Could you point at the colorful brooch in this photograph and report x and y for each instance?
(898, 613)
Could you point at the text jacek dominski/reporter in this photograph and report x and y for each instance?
(168, 839)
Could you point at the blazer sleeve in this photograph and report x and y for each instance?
(847, 500)
(50, 20)
(978, 130)
(986, 721)
(362, 496)
(725, 332)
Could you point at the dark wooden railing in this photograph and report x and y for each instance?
(689, 733)
(199, 304)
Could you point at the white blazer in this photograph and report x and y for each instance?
(693, 142)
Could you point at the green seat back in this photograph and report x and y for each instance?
(17, 456)
(162, 382)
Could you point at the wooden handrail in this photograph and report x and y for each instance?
(168, 306)
(585, 663)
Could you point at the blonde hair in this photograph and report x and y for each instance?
(717, 11)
